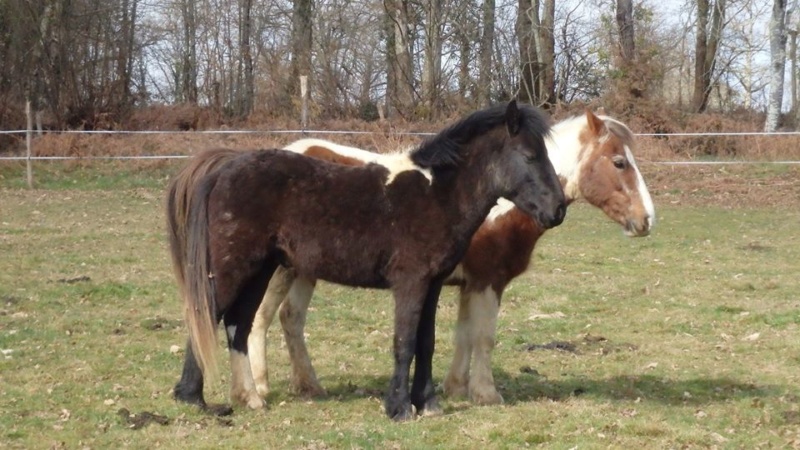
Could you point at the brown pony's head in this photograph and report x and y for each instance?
(609, 178)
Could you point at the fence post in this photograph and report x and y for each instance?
(304, 100)
(28, 141)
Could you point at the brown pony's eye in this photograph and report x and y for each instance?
(619, 162)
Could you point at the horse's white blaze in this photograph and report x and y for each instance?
(396, 163)
(642, 187)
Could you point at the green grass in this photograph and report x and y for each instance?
(700, 320)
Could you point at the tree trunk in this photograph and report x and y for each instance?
(633, 77)
(626, 31)
(700, 49)
(486, 50)
(547, 54)
(188, 73)
(431, 70)
(302, 42)
(777, 47)
(526, 28)
(245, 88)
(706, 47)
(401, 64)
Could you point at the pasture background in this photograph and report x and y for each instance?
(686, 339)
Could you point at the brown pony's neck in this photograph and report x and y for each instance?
(473, 181)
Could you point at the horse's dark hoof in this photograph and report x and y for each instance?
(218, 410)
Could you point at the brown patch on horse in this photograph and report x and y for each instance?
(329, 155)
(501, 249)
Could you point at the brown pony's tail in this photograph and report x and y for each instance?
(187, 228)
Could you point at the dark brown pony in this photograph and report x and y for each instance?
(356, 226)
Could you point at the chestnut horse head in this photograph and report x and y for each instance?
(594, 156)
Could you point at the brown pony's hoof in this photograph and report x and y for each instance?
(218, 410)
(310, 391)
(432, 409)
(485, 397)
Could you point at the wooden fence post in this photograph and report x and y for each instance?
(28, 141)
(304, 100)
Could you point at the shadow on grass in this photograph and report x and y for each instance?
(526, 387)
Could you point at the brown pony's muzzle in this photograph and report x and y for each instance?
(555, 219)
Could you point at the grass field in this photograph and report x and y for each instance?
(689, 338)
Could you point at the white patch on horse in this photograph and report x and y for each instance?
(231, 329)
(643, 192)
(395, 163)
(502, 207)
(563, 149)
(398, 163)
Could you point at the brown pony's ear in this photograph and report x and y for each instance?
(512, 118)
(596, 125)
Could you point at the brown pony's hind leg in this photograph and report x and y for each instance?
(457, 380)
(277, 290)
(293, 321)
(238, 321)
(190, 387)
(484, 307)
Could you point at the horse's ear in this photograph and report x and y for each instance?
(596, 124)
(513, 118)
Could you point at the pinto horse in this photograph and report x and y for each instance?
(592, 156)
(364, 226)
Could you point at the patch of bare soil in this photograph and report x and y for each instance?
(587, 344)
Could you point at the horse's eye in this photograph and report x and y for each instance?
(619, 162)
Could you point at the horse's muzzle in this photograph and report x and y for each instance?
(556, 219)
(638, 228)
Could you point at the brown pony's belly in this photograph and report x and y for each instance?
(327, 261)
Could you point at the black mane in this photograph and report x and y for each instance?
(444, 149)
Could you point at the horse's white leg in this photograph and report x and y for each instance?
(457, 379)
(293, 321)
(243, 390)
(257, 341)
(484, 307)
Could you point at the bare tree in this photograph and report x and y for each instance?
(486, 49)
(400, 89)
(245, 88)
(187, 90)
(432, 64)
(706, 44)
(302, 39)
(777, 44)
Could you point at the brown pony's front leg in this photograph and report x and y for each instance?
(408, 304)
(423, 391)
